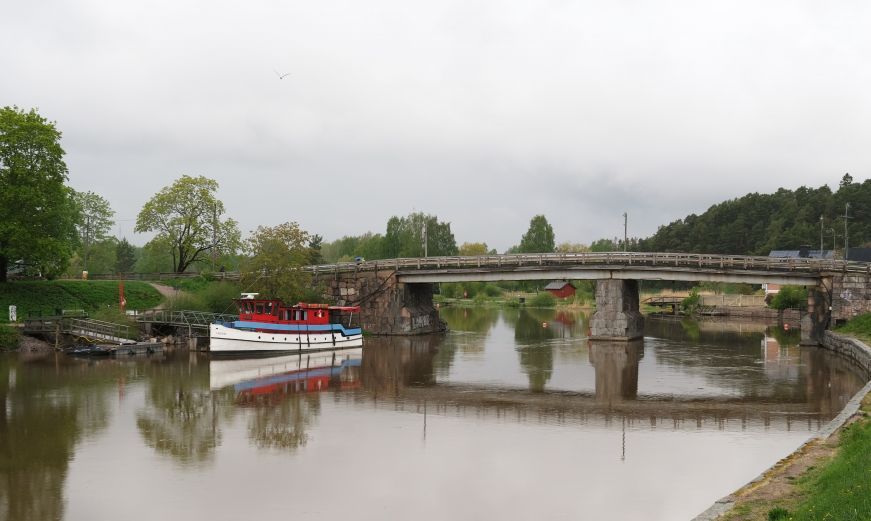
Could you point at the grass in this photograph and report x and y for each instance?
(45, 297)
(9, 337)
(840, 489)
(859, 327)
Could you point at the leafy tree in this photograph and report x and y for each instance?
(405, 236)
(155, 257)
(569, 247)
(603, 245)
(125, 256)
(95, 221)
(539, 237)
(473, 249)
(277, 254)
(37, 211)
(186, 215)
(790, 297)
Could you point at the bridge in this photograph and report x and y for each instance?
(396, 294)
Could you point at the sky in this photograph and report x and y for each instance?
(484, 113)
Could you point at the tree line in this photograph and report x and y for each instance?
(48, 229)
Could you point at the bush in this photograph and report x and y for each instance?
(492, 290)
(690, 304)
(543, 300)
(790, 297)
(778, 514)
(217, 297)
(9, 337)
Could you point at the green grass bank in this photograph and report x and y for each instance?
(44, 297)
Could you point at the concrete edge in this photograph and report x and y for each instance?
(832, 342)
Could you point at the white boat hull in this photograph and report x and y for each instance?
(230, 340)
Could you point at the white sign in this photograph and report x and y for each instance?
(13, 314)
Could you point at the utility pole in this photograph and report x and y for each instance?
(423, 234)
(625, 232)
(821, 236)
(846, 246)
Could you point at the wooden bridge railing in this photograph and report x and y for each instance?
(678, 260)
(198, 319)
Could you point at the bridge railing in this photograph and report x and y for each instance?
(183, 317)
(679, 260)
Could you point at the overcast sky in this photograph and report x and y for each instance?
(482, 112)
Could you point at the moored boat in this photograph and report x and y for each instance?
(269, 326)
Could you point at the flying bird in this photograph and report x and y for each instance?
(281, 76)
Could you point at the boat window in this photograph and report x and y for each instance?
(269, 308)
(305, 315)
(258, 308)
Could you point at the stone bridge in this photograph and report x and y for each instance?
(396, 294)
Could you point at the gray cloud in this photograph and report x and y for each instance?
(485, 113)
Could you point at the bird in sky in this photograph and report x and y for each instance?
(281, 76)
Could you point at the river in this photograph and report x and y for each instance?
(513, 414)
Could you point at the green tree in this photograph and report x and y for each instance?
(187, 216)
(405, 236)
(314, 245)
(95, 221)
(277, 254)
(125, 256)
(37, 210)
(572, 247)
(539, 237)
(473, 249)
(603, 245)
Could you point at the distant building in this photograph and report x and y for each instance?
(803, 254)
(560, 289)
(859, 254)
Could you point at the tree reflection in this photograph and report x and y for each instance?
(47, 406)
(180, 417)
(283, 425)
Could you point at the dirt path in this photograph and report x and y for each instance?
(167, 292)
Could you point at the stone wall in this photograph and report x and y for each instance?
(387, 307)
(851, 296)
(856, 351)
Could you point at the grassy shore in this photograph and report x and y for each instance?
(826, 480)
(44, 297)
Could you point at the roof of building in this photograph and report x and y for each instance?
(796, 254)
(559, 284)
(859, 254)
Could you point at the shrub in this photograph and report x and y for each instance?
(690, 304)
(778, 514)
(492, 290)
(543, 300)
(790, 297)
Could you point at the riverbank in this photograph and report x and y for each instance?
(827, 477)
(45, 297)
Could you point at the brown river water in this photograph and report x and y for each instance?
(513, 414)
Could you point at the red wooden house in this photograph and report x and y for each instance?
(560, 289)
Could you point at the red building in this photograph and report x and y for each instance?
(560, 289)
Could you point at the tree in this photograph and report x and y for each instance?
(474, 249)
(539, 237)
(37, 211)
(277, 255)
(187, 216)
(95, 221)
(125, 256)
(405, 237)
(314, 244)
(570, 247)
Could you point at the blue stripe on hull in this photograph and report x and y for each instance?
(239, 324)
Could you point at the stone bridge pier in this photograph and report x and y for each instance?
(387, 306)
(617, 316)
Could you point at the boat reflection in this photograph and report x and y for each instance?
(253, 378)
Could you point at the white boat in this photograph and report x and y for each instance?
(290, 373)
(268, 326)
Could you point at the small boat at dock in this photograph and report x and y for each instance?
(268, 326)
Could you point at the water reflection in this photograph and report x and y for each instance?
(523, 382)
(616, 366)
